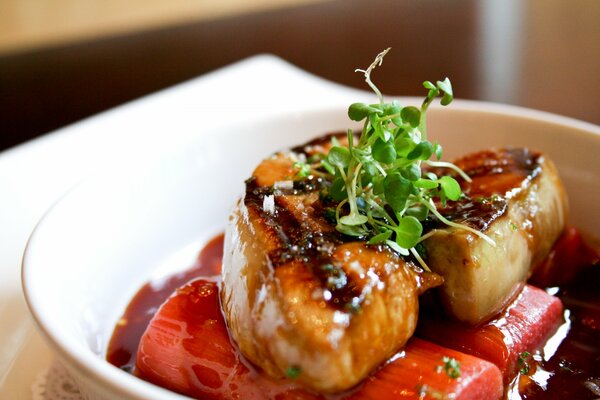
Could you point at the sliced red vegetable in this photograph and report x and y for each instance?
(568, 257)
(524, 326)
(419, 373)
(187, 349)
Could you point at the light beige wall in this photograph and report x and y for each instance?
(28, 24)
(574, 27)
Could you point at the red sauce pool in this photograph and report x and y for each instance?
(126, 337)
(575, 367)
(573, 372)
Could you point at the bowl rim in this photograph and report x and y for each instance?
(86, 363)
(97, 368)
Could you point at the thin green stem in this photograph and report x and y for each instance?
(363, 134)
(382, 210)
(338, 208)
(416, 254)
(380, 168)
(427, 235)
(378, 61)
(431, 206)
(444, 164)
(352, 191)
(389, 117)
(342, 173)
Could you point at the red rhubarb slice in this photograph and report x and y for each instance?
(523, 326)
(419, 372)
(187, 349)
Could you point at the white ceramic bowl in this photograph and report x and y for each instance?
(97, 246)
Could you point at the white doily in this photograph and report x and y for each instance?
(55, 383)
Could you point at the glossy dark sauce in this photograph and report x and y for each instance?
(572, 373)
(125, 340)
(575, 367)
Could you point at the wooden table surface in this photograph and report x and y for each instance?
(534, 53)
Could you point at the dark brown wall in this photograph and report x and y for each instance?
(44, 90)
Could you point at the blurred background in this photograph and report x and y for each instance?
(64, 60)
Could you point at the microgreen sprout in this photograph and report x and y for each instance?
(377, 180)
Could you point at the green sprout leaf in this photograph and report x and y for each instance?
(337, 190)
(360, 111)
(437, 149)
(393, 109)
(378, 186)
(384, 152)
(397, 189)
(339, 156)
(450, 187)
(353, 220)
(422, 151)
(426, 184)
(412, 115)
(446, 87)
(412, 172)
(380, 237)
(428, 85)
(419, 211)
(404, 145)
(357, 231)
(408, 232)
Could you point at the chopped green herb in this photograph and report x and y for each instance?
(522, 363)
(514, 226)
(303, 169)
(293, 372)
(451, 367)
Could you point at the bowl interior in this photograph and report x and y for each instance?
(96, 247)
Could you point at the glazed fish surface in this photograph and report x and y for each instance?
(303, 300)
(517, 199)
(300, 298)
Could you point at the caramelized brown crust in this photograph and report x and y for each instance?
(298, 294)
(516, 198)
